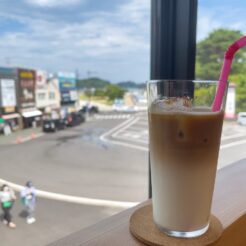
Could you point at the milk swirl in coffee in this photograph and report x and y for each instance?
(184, 146)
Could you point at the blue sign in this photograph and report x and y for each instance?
(67, 81)
(7, 70)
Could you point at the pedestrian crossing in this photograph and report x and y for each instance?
(112, 116)
(136, 132)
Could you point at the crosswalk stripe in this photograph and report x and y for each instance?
(111, 117)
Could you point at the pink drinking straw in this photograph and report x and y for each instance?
(229, 54)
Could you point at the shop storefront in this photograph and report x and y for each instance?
(31, 116)
(8, 101)
(13, 120)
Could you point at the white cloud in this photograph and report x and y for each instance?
(53, 3)
(137, 11)
(206, 23)
(219, 17)
(121, 36)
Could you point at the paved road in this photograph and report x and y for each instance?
(134, 134)
(105, 158)
(72, 162)
(54, 220)
(76, 162)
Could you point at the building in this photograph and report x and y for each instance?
(47, 94)
(8, 99)
(26, 85)
(68, 91)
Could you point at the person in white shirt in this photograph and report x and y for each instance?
(7, 198)
(28, 198)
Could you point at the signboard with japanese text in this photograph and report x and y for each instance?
(65, 96)
(67, 81)
(8, 93)
(67, 86)
(27, 82)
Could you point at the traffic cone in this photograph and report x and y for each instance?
(19, 140)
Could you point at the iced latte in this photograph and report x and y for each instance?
(184, 147)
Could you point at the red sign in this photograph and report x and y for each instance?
(41, 79)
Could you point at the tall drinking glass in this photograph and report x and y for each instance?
(184, 146)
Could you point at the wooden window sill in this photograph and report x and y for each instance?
(229, 205)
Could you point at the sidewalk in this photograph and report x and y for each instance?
(21, 136)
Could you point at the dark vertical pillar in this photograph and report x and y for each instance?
(173, 41)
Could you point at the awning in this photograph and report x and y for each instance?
(32, 113)
(10, 116)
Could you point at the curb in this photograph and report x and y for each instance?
(74, 199)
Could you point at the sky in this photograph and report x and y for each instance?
(106, 39)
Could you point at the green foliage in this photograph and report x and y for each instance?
(204, 95)
(96, 83)
(99, 93)
(113, 92)
(88, 93)
(210, 54)
(96, 87)
(240, 81)
(131, 84)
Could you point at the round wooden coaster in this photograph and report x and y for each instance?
(144, 229)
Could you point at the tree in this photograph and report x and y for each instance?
(240, 81)
(204, 95)
(114, 91)
(210, 54)
(99, 93)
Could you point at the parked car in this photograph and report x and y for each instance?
(75, 119)
(91, 109)
(52, 125)
(241, 118)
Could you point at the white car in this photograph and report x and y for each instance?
(241, 118)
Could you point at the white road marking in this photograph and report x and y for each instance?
(126, 124)
(74, 199)
(233, 136)
(133, 146)
(225, 146)
(112, 117)
(125, 127)
(128, 137)
(104, 135)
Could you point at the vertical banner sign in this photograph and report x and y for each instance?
(27, 80)
(67, 85)
(8, 93)
(230, 103)
(40, 79)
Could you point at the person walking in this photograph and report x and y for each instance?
(7, 198)
(28, 197)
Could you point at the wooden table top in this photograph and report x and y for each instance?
(229, 205)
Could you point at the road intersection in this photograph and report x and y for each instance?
(85, 170)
